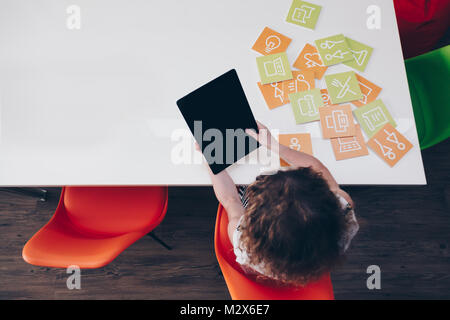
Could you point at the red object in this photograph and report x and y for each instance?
(93, 225)
(422, 23)
(243, 288)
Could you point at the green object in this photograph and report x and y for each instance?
(305, 105)
(361, 54)
(304, 14)
(334, 50)
(373, 116)
(274, 68)
(429, 77)
(343, 87)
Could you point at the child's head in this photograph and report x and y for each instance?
(293, 223)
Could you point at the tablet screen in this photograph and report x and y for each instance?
(217, 115)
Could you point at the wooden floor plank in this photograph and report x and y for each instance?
(404, 230)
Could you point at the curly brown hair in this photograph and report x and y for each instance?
(293, 224)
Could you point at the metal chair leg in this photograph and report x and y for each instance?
(154, 237)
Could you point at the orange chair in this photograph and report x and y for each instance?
(243, 288)
(93, 225)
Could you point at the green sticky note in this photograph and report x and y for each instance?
(343, 87)
(304, 14)
(334, 50)
(274, 68)
(361, 55)
(306, 104)
(373, 116)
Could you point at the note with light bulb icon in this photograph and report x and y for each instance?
(271, 42)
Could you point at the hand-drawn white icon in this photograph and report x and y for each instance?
(307, 106)
(375, 118)
(274, 68)
(278, 93)
(313, 60)
(387, 151)
(339, 54)
(295, 144)
(366, 93)
(330, 44)
(326, 98)
(345, 88)
(360, 56)
(302, 14)
(348, 144)
(294, 86)
(392, 137)
(338, 121)
(272, 42)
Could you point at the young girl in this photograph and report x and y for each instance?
(289, 227)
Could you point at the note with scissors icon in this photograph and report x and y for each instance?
(390, 144)
(334, 50)
(343, 87)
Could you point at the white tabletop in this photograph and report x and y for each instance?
(97, 106)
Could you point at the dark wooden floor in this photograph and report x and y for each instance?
(404, 230)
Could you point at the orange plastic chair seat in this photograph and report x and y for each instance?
(242, 287)
(92, 226)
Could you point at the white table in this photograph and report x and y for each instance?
(96, 106)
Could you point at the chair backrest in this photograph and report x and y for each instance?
(428, 76)
(114, 210)
(243, 288)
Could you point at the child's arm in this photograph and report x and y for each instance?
(227, 195)
(296, 158)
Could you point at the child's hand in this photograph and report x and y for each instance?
(264, 136)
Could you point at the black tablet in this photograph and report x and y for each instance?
(217, 115)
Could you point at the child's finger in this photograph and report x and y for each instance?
(252, 133)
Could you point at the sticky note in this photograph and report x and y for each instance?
(309, 59)
(334, 50)
(325, 97)
(390, 144)
(271, 42)
(274, 68)
(304, 14)
(361, 55)
(305, 105)
(343, 87)
(337, 121)
(277, 94)
(298, 142)
(373, 116)
(349, 147)
(369, 90)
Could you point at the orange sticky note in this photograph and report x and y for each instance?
(298, 141)
(349, 147)
(369, 90)
(277, 94)
(309, 59)
(390, 144)
(326, 97)
(337, 121)
(274, 94)
(271, 42)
